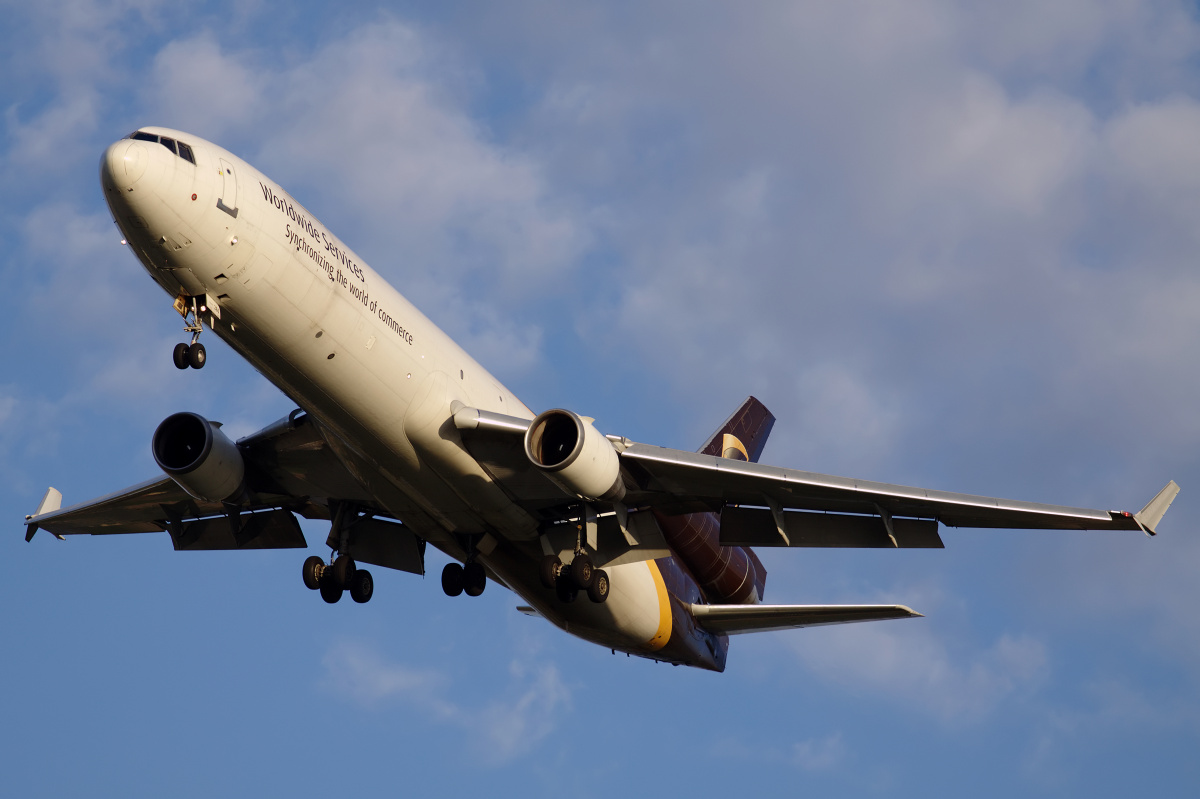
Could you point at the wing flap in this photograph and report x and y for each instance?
(738, 619)
(742, 526)
(277, 529)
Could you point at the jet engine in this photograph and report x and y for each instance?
(199, 457)
(575, 455)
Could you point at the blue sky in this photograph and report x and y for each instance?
(950, 245)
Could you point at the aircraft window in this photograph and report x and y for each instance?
(168, 143)
(185, 153)
(140, 136)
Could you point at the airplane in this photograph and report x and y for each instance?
(401, 440)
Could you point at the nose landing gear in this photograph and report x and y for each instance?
(193, 354)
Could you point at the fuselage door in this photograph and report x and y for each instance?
(227, 201)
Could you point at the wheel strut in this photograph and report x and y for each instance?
(193, 354)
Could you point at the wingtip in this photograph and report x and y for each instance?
(1149, 517)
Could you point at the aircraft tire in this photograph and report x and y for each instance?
(566, 590)
(330, 592)
(180, 356)
(313, 567)
(452, 579)
(598, 590)
(196, 355)
(474, 579)
(582, 572)
(343, 571)
(362, 586)
(550, 568)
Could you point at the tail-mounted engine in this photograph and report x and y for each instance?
(575, 455)
(199, 457)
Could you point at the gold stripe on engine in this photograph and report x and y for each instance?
(664, 610)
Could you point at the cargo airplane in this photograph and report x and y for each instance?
(401, 440)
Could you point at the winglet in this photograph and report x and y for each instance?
(50, 503)
(1149, 516)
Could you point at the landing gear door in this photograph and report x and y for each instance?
(227, 200)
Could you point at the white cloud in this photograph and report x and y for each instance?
(907, 663)
(500, 731)
(59, 75)
(201, 89)
(820, 754)
(362, 675)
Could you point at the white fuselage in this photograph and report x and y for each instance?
(349, 349)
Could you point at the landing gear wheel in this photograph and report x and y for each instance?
(551, 566)
(474, 579)
(330, 592)
(362, 586)
(582, 572)
(180, 356)
(343, 571)
(314, 567)
(452, 579)
(598, 590)
(566, 590)
(196, 355)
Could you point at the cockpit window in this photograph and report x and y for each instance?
(183, 151)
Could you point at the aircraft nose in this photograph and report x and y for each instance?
(124, 163)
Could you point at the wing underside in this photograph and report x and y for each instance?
(290, 470)
(771, 506)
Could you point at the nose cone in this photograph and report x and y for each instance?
(123, 164)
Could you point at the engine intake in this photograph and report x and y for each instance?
(199, 457)
(574, 455)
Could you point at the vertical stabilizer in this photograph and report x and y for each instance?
(743, 435)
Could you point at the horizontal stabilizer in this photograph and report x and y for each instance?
(736, 619)
(1149, 516)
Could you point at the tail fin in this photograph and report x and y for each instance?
(743, 435)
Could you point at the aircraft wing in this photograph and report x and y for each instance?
(771, 506)
(668, 475)
(289, 468)
(738, 619)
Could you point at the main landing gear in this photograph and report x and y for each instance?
(340, 575)
(469, 578)
(193, 354)
(567, 580)
(579, 575)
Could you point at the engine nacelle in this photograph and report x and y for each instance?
(199, 457)
(575, 455)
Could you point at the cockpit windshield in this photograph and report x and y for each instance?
(177, 147)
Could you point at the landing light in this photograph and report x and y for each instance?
(123, 241)
(233, 241)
